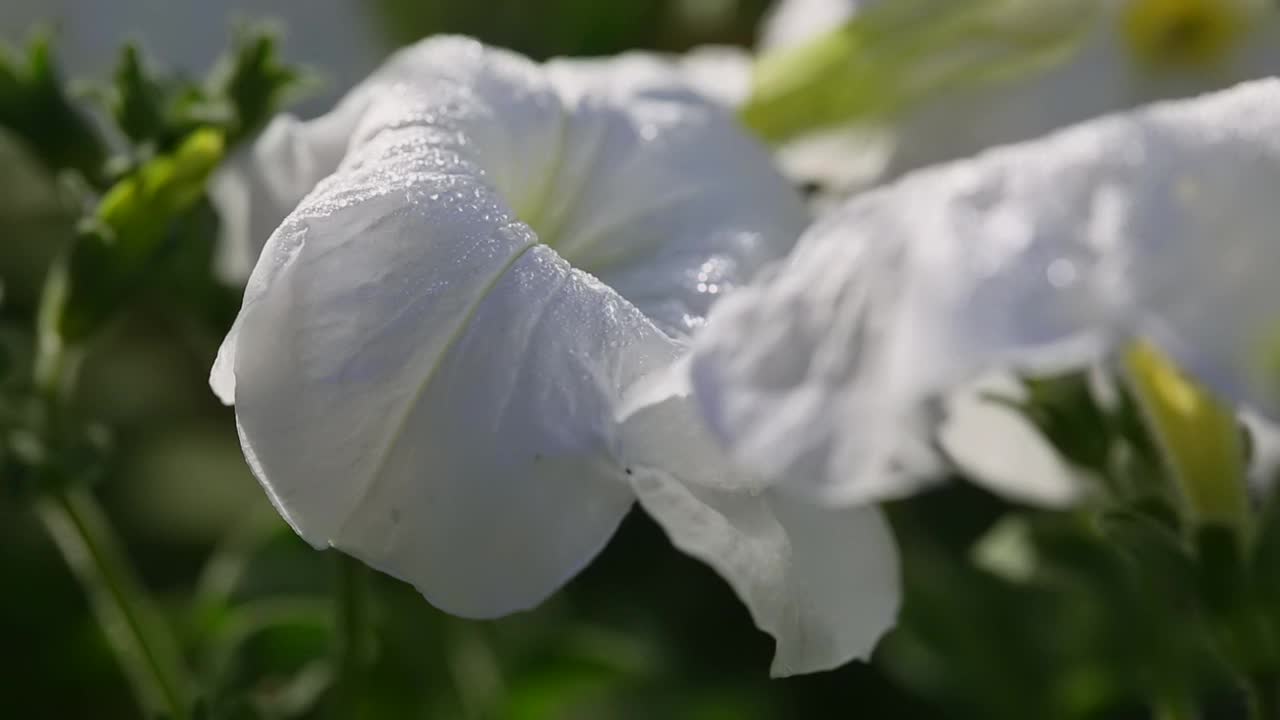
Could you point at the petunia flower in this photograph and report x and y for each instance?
(1155, 226)
(1062, 62)
(262, 182)
(1130, 53)
(437, 363)
(791, 23)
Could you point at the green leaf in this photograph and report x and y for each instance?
(245, 88)
(270, 658)
(1065, 411)
(138, 104)
(36, 108)
(141, 639)
(157, 111)
(253, 82)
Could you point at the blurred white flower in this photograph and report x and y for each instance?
(1120, 54)
(998, 448)
(790, 23)
(432, 364)
(1133, 52)
(1156, 225)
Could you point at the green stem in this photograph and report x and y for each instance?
(352, 607)
(141, 644)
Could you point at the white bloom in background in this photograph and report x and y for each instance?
(999, 449)
(720, 72)
(1128, 52)
(1157, 225)
(430, 365)
(1125, 53)
(835, 158)
(1133, 52)
(790, 23)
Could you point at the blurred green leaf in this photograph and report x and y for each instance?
(139, 102)
(155, 111)
(35, 106)
(1066, 412)
(142, 640)
(253, 82)
(246, 87)
(271, 658)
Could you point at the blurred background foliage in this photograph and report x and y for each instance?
(1010, 614)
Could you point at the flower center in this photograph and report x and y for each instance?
(1182, 33)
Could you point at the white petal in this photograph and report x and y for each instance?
(999, 449)
(790, 23)
(823, 582)
(664, 205)
(1102, 75)
(1095, 79)
(393, 397)
(264, 181)
(261, 182)
(418, 379)
(840, 160)
(1158, 224)
(720, 72)
(401, 345)
(661, 428)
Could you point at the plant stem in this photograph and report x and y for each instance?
(143, 647)
(351, 605)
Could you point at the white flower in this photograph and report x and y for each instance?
(1156, 225)
(1127, 52)
(1117, 54)
(790, 23)
(262, 182)
(430, 365)
(1132, 52)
